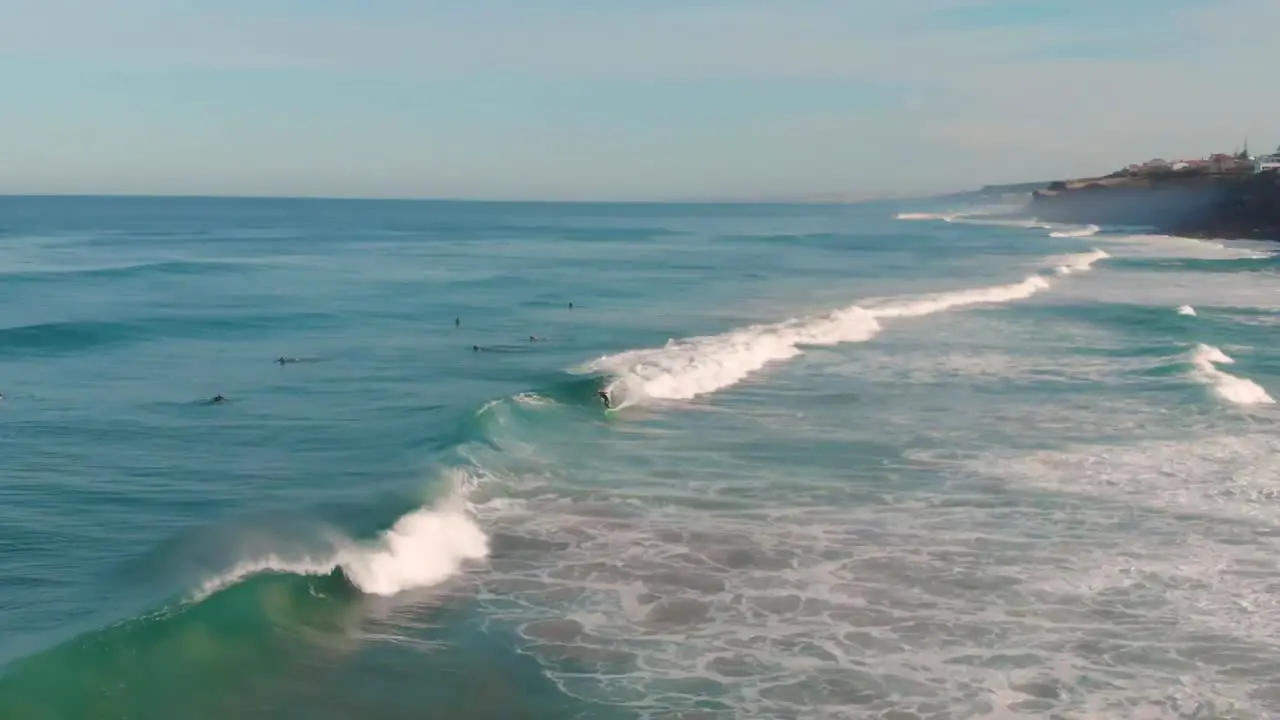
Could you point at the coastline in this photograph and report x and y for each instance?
(1194, 205)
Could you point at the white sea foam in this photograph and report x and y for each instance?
(946, 217)
(1186, 310)
(980, 219)
(811, 603)
(1079, 262)
(1229, 475)
(423, 548)
(929, 304)
(532, 399)
(981, 216)
(1172, 246)
(685, 369)
(1085, 231)
(1233, 389)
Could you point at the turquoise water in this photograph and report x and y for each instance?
(856, 465)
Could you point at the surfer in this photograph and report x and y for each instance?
(475, 348)
(457, 322)
(570, 304)
(218, 399)
(604, 396)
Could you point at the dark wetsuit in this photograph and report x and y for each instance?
(605, 397)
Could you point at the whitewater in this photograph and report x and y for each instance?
(884, 460)
(685, 369)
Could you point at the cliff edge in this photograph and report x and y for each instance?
(1225, 205)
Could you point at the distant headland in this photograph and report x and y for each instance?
(1222, 196)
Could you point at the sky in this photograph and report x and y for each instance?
(610, 99)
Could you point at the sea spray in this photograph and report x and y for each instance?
(423, 548)
(945, 217)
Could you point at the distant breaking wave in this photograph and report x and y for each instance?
(945, 217)
(1085, 231)
(1233, 389)
(984, 216)
(1186, 310)
(1080, 262)
(685, 369)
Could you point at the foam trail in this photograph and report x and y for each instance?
(1080, 262)
(945, 301)
(946, 217)
(1233, 389)
(423, 548)
(1085, 231)
(978, 219)
(1186, 310)
(1183, 247)
(685, 369)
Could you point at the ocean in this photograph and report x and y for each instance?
(892, 460)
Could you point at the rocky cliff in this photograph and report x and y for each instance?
(1199, 205)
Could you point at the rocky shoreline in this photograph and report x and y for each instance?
(1203, 205)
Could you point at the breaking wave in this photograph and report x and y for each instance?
(930, 304)
(1080, 262)
(945, 217)
(1233, 389)
(685, 369)
(1186, 310)
(1085, 231)
(424, 548)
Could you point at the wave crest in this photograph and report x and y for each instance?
(423, 548)
(1233, 389)
(931, 304)
(1080, 262)
(1086, 231)
(685, 369)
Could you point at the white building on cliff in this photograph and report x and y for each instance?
(1268, 163)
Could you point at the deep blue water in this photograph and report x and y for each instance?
(854, 465)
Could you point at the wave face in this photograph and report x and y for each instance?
(830, 490)
(424, 548)
(1233, 389)
(685, 369)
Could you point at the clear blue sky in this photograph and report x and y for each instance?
(609, 99)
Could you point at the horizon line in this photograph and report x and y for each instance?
(816, 199)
